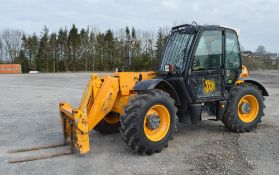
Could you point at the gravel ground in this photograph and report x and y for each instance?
(29, 116)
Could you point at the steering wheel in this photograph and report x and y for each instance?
(229, 65)
(196, 63)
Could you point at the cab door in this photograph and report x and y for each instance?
(206, 75)
(232, 58)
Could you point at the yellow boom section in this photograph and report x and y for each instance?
(101, 96)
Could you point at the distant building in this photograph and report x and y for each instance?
(265, 56)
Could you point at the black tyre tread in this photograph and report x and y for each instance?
(105, 128)
(230, 118)
(129, 121)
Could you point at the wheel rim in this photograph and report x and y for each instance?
(111, 119)
(154, 131)
(248, 108)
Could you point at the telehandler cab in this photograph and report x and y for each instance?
(200, 68)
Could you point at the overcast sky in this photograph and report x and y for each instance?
(258, 20)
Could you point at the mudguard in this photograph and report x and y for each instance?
(158, 84)
(257, 83)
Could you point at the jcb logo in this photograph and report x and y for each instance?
(208, 86)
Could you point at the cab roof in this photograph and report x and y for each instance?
(197, 27)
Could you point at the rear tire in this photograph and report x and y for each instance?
(134, 126)
(109, 125)
(234, 118)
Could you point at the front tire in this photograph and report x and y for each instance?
(109, 125)
(245, 108)
(149, 121)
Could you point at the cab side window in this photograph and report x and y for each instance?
(209, 51)
(232, 51)
(232, 60)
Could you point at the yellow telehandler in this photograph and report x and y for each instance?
(200, 70)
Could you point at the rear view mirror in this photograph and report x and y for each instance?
(246, 53)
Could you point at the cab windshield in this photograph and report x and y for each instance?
(176, 50)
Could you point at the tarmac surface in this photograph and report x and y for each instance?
(29, 117)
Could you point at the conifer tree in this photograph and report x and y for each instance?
(42, 60)
(23, 61)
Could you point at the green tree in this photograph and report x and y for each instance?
(109, 48)
(23, 61)
(33, 44)
(84, 49)
(73, 45)
(42, 60)
(261, 50)
(63, 51)
(88, 49)
(30, 48)
(160, 43)
(133, 33)
(92, 49)
(127, 31)
(53, 51)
